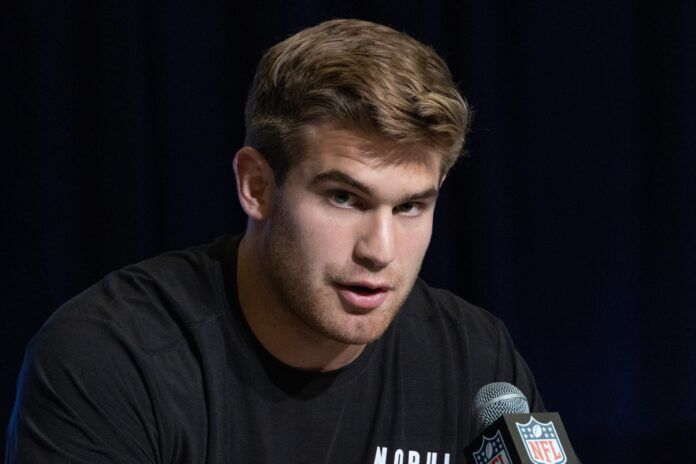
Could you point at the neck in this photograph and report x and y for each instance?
(281, 332)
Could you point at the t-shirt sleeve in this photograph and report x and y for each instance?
(511, 365)
(82, 397)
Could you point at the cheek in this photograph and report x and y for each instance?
(415, 239)
(320, 237)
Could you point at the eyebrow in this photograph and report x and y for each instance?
(341, 177)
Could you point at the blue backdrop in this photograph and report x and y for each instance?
(571, 218)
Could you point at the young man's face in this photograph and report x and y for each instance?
(348, 232)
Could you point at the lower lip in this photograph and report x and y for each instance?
(362, 300)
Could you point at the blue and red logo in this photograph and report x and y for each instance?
(492, 451)
(542, 442)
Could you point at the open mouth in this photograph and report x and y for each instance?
(362, 290)
(362, 297)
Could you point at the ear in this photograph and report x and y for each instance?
(255, 182)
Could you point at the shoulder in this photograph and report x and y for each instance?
(467, 336)
(151, 303)
(120, 364)
(441, 323)
(428, 303)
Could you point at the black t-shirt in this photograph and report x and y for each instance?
(156, 364)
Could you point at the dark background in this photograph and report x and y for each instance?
(572, 218)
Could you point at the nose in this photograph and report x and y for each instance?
(375, 247)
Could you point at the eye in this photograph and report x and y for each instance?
(342, 198)
(410, 208)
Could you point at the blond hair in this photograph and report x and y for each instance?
(361, 75)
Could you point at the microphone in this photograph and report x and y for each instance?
(498, 398)
(511, 435)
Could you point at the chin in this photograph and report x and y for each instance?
(359, 329)
(354, 337)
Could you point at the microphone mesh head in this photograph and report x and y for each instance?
(498, 398)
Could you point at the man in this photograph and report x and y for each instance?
(310, 338)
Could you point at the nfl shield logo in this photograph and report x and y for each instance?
(492, 451)
(542, 442)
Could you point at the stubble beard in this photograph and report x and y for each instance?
(289, 277)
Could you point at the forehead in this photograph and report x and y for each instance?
(330, 147)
